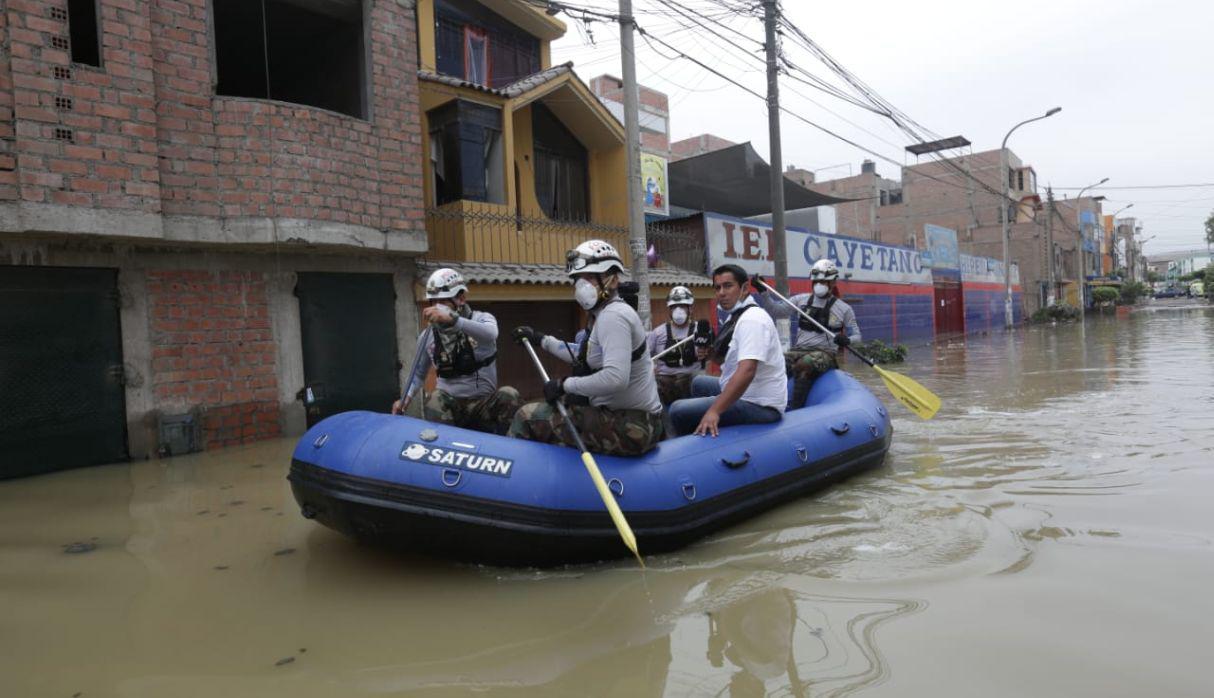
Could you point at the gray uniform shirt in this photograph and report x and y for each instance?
(841, 316)
(657, 344)
(619, 383)
(481, 329)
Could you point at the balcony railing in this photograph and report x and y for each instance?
(679, 244)
(473, 232)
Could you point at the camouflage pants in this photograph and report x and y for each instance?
(805, 365)
(674, 386)
(808, 364)
(607, 431)
(491, 413)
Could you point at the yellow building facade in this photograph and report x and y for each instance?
(521, 163)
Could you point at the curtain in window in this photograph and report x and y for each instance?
(560, 186)
(476, 56)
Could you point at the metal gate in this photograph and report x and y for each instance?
(348, 328)
(62, 403)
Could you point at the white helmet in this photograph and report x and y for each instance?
(592, 257)
(444, 283)
(824, 269)
(679, 295)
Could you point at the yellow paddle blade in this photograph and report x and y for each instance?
(910, 393)
(613, 508)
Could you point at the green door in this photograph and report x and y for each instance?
(62, 403)
(348, 327)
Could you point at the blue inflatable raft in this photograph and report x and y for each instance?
(437, 489)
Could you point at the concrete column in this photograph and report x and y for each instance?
(288, 342)
(133, 317)
(407, 324)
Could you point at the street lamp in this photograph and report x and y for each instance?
(1007, 263)
(1083, 260)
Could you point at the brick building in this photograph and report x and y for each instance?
(653, 107)
(197, 226)
(869, 192)
(697, 145)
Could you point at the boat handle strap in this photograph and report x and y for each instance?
(840, 429)
(737, 463)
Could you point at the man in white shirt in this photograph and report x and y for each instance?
(752, 388)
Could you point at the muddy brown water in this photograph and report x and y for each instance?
(1049, 533)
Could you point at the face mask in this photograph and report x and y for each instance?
(586, 294)
(679, 316)
(464, 311)
(820, 290)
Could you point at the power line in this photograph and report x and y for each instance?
(1149, 186)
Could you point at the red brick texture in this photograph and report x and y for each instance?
(147, 132)
(212, 348)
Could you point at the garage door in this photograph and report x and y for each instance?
(62, 403)
(348, 328)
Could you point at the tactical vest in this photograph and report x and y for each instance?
(822, 315)
(682, 357)
(725, 336)
(454, 355)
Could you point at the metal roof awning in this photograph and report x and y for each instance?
(546, 274)
(734, 181)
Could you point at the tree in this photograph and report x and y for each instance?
(1210, 229)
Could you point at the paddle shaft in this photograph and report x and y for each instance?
(560, 406)
(592, 468)
(674, 346)
(417, 356)
(807, 316)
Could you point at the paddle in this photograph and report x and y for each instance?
(613, 508)
(417, 356)
(674, 346)
(909, 392)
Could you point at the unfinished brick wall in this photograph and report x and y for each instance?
(212, 348)
(231, 156)
(83, 136)
(146, 132)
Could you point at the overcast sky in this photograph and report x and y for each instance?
(1135, 81)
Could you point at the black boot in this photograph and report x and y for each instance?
(800, 391)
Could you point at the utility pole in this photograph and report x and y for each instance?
(1049, 238)
(771, 13)
(632, 128)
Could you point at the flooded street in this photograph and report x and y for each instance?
(1048, 533)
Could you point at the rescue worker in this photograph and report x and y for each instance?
(611, 367)
(462, 347)
(675, 369)
(752, 388)
(815, 352)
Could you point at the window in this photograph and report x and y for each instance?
(1020, 180)
(1011, 177)
(475, 44)
(466, 153)
(314, 50)
(561, 167)
(82, 26)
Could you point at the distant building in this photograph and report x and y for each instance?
(698, 145)
(653, 107)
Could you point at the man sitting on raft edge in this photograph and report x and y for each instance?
(752, 388)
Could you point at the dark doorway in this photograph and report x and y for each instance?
(62, 403)
(950, 310)
(348, 328)
(514, 367)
